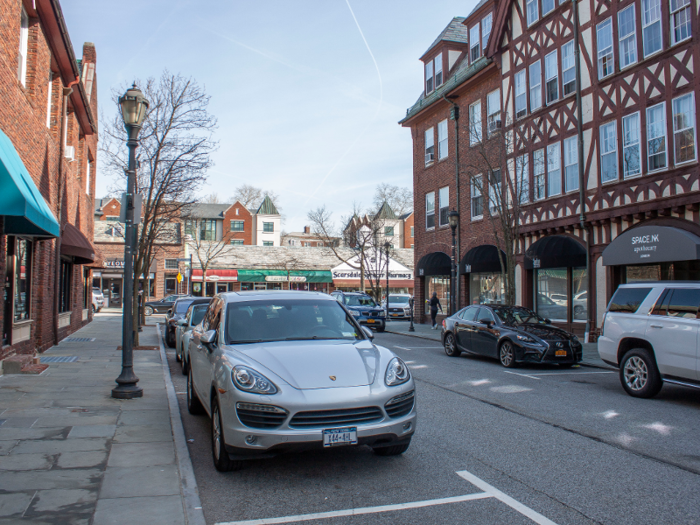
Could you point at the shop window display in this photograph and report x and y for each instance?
(557, 288)
(441, 285)
(486, 287)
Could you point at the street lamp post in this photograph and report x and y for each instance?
(453, 218)
(386, 249)
(133, 107)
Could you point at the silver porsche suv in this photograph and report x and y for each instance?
(284, 371)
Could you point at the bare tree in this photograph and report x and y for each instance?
(499, 186)
(251, 197)
(212, 198)
(174, 155)
(206, 247)
(399, 198)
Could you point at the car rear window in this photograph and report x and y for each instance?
(628, 299)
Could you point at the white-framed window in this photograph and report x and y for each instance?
(520, 94)
(571, 164)
(605, 48)
(568, 68)
(87, 177)
(608, 152)
(486, 24)
(493, 108)
(495, 189)
(535, 85)
(627, 34)
(429, 145)
(171, 264)
(438, 71)
(430, 210)
(49, 89)
(442, 139)
(474, 43)
(551, 77)
(684, 128)
(533, 13)
(538, 173)
(23, 45)
(522, 179)
(477, 198)
(444, 203)
(553, 169)
(680, 20)
(475, 126)
(429, 77)
(651, 26)
(656, 137)
(547, 6)
(239, 242)
(631, 147)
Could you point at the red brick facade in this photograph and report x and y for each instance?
(238, 212)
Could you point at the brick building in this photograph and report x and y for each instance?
(612, 127)
(48, 145)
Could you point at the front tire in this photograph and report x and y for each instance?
(381, 328)
(148, 311)
(185, 366)
(169, 340)
(393, 450)
(639, 375)
(178, 355)
(194, 405)
(451, 346)
(506, 354)
(222, 461)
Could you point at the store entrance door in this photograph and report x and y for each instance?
(112, 290)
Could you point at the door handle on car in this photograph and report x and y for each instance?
(655, 326)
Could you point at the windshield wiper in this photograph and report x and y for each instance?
(312, 338)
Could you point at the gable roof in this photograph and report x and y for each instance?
(499, 26)
(455, 31)
(385, 212)
(406, 215)
(267, 207)
(206, 211)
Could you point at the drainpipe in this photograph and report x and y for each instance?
(62, 149)
(454, 115)
(581, 188)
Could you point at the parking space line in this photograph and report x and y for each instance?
(545, 374)
(361, 511)
(504, 498)
(522, 375)
(418, 347)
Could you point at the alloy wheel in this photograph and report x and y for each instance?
(506, 354)
(636, 373)
(450, 348)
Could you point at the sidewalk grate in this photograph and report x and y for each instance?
(59, 359)
(79, 340)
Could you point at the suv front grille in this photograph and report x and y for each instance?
(333, 418)
(401, 405)
(260, 416)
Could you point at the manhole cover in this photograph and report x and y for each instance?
(79, 340)
(59, 358)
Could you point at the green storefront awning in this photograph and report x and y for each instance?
(24, 210)
(300, 276)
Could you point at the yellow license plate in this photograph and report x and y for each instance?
(370, 320)
(560, 353)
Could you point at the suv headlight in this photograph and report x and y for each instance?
(355, 313)
(396, 373)
(525, 339)
(248, 380)
(382, 313)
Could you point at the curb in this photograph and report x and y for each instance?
(190, 494)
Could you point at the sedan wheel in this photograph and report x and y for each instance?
(506, 354)
(451, 346)
(639, 375)
(222, 461)
(194, 406)
(185, 366)
(148, 310)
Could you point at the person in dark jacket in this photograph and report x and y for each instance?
(434, 305)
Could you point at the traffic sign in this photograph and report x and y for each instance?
(179, 277)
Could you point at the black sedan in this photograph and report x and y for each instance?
(511, 334)
(176, 312)
(163, 305)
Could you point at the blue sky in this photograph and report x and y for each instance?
(307, 93)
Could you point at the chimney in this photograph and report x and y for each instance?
(307, 229)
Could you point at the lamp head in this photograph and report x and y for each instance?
(133, 105)
(453, 218)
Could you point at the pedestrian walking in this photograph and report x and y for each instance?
(434, 305)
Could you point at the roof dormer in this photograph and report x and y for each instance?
(444, 53)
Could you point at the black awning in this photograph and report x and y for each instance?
(652, 244)
(482, 258)
(436, 263)
(74, 244)
(555, 251)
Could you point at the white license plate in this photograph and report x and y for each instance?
(340, 436)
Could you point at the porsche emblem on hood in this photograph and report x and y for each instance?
(332, 378)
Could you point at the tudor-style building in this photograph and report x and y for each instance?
(637, 168)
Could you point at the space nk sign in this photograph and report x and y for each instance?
(652, 244)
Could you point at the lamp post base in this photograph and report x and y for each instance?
(127, 392)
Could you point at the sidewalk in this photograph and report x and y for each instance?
(70, 453)
(590, 350)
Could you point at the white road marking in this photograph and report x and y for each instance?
(610, 414)
(662, 429)
(418, 347)
(545, 374)
(489, 491)
(509, 389)
(403, 348)
(416, 367)
(521, 375)
(479, 382)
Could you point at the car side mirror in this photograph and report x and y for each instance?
(182, 322)
(547, 321)
(170, 311)
(367, 332)
(208, 337)
(486, 321)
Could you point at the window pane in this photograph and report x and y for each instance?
(535, 85)
(475, 130)
(538, 170)
(568, 68)
(22, 279)
(608, 152)
(477, 204)
(268, 226)
(493, 105)
(442, 139)
(532, 12)
(522, 178)
(444, 202)
(680, 20)
(430, 210)
(486, 30)
(605, 48)
(520, 96)
(438, 70)
(571, 164)
(552, 294)
(579, 293)
(484, 288)
(495, 191)
(628, 299)
(429, 145)
(631, 149)
(628, 36)
(429, 77)
(684, 128)
(441, 286)
(547, 6)
(651, 26)
(684, 303)
(656, 137)
(551, 76)
(553, 169)
(474, 42)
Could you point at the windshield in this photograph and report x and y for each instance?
(288, 320)
(359, 300)
(198, 314)
(398, 299)
(517, 315)
(182, 306)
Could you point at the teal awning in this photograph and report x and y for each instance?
(22, 207)
(306, 276)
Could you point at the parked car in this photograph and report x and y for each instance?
(549, 309)
(163, 305)
(98, 300)
(363, 308)
(284, 371)
(511, 334)
(177, 312)
(195, 314)
(650, 332)
(399, 306)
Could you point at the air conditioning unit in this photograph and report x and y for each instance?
(429, 157)
(494, 125)
(69, 152)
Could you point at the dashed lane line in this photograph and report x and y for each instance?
(546, 374)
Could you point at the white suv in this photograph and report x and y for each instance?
(650, 331)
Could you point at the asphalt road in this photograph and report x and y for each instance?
(533, 445)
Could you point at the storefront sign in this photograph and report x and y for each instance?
(276, 278)
(355, 274)
(118, 263)
(652, 244)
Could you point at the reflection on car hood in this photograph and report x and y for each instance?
(311, 364)
(548, 332)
